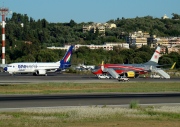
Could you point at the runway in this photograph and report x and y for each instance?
(24, 101)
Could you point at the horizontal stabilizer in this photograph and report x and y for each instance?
(164, 74)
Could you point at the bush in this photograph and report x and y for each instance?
(134, 105)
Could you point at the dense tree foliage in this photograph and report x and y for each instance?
(27, 39)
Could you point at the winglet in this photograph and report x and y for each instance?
(102, 66)
(173, 66)
(102, 63)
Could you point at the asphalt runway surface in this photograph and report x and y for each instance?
(24, 101)
(5, 78)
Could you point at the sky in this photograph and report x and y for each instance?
(99, 11)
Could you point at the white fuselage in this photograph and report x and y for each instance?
(32, 67)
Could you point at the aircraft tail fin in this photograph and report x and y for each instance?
(65, 62)
(155, 58)
(173, 66)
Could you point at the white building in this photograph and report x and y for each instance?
(123, 45)
(165, 17)
(105, 47)
(66, 47)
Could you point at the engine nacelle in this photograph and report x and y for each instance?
(130, 74)
(41, 72)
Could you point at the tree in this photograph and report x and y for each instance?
(128, 55)
(42, 34)
(138, 60)
(175, 16)
(165, 60)
(46, 55)
(117, 60)
(97, 32)
(72, 23)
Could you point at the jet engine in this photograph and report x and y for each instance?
(130, 74)
(41, 72)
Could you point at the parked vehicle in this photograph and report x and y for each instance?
(155, 76)
(124, 79)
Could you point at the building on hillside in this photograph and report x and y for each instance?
(137, 39)
(152, 41)
(141, 41)
(110, 25)
(101, 30)
(105, 47)
(122, 45)
(162, 41)
(93, 28)
(100, 26)
(165, 49)
(66, 47)
(174, 41)
(173, 49)
(86, 28)
(165, 17)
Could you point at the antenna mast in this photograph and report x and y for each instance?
(3, 12)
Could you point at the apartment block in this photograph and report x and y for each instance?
(137, 38)
(100, 26)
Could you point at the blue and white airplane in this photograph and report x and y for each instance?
(40, 68)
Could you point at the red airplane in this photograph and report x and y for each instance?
(129, 70)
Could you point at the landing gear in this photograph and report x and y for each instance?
(12, 74)
(34, 74)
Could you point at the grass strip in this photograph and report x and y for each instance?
(93, 116)
(58, 88)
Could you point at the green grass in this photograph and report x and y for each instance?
(57, 88)
(103, 116)
(92, 116)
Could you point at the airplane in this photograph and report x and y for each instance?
(155, 75)
(131, 70)
(40, 68)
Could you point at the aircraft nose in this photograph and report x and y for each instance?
(5, 69)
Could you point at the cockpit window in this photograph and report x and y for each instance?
(9, 66)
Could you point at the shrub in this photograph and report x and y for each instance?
(134, 105)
